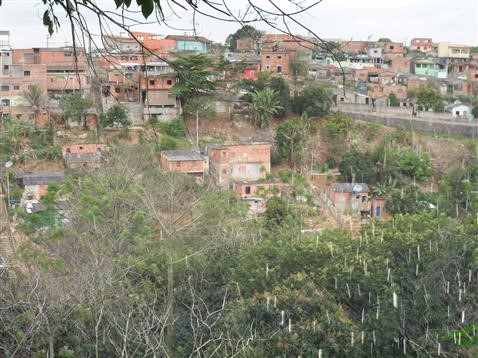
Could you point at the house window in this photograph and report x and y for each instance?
(224, 154)
(5, 67)
(279, 69)
(117, 90)
(26, 73)
(391, 47)
(81, 148)
(279, 57)
(151, 82)
(4, 88)
(268, 67)
(67, 53)
(16, 87)
(169, 82)
(248, 189)
(268, 56)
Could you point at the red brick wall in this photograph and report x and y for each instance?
(157, 82)
(246, 153)
(184, 166)
(271, 60)
(256, 189)
(244, 44)
(83, 148)
(353, 46)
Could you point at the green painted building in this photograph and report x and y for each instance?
(197, 44)
(427, 68)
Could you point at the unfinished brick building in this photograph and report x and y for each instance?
(183, 161)
(242, 161)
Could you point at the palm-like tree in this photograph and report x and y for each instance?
(265, 104)
(34, 97)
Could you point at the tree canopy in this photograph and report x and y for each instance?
(315, 100)
(247, 31)
(195, 76)
(115, 116)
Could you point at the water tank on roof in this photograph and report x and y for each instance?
(357, 188)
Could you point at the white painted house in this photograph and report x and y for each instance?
(459, 110)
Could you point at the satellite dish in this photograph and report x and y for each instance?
(357, 188)
(8, 164)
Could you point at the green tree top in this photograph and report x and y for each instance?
(76, 106)
(246, 31)
(115, 116)
(194, 74)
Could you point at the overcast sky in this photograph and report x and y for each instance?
(400, 20)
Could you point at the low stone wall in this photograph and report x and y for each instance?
(417, 124)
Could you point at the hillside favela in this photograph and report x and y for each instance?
(238, 178)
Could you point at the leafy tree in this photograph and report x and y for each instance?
(316, 100)
(291, 138)
(265, 105)
(429, 97)
(34, 97)
(202, 105)
(384, 40)
(357, 166)
(407, 200)
(115, 116)
(276, 83)
(393, 100)
(194, 76)
(76, 106)
(279, 85)
(474, 111)
(338, 125)
(175, 128)
(247, 31)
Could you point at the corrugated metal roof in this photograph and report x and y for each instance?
(179, 155)
(41, 178)
(349, 187)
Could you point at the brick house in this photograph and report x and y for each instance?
(355, 47)
(356, 198)
(393, 49)
(183, 161)
(256, 192)
(246, 189)
(275, 60)
(83, 155)
(156, 95)
(154, 42)
(243, 161)
(245, 44)
(422, 44)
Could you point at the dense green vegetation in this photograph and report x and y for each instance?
(156, 264)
